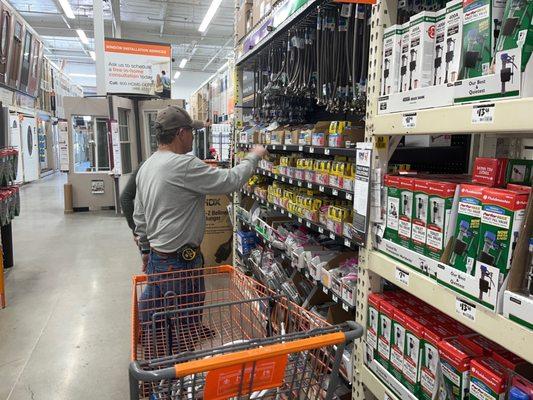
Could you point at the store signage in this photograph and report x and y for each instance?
(63, 146)
(133, 67)
(116, 160)
(465, 309)
(97, 186)
(361, 192)
(483, 114)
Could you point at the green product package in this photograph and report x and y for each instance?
(386, 313)
(481, 19)
(517, 29)
(501, 217)
(414, 343)
(467, 228)
(406, 211)
(441, 195)
(519, 172)
(420, 215)
(392, 183)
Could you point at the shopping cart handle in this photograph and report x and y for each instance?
(355, 331)
(139, 374)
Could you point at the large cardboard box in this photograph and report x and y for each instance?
(244, 15)
(218, 230)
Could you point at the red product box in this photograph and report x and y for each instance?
(429, 383)
(519, 188)
(372, 324)
(386, 315)
(487, 345)
(489, 171)
(523, 384)
(406, 185)
(414, 343)
(420, 215)
(488, 378)
(441, 196)
(509, 360)
(398, 339)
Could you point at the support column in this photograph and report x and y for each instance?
(99, 36)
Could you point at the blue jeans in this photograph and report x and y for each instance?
(173, 290)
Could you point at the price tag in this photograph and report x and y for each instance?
(320, 229)
(325, 289)
(483, 114)
(386, 396)
(331, 235)
(282, 210)
(402, 276)
(349, 196)
(334, 192)
(307, 274)
(290, 215)
(290, 181)
(311, 149)
(283, 179)
(321, 188)
(345, 307)
(300, 148)
(334, 298)
(347, 242)
(284, 147)
(326, 151)
(309, 185)
(409, 120)
(269, 174)
(308, 224)
(300, 220)
(382, 142)
(466, 309)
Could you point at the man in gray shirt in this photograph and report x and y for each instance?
(170, 209)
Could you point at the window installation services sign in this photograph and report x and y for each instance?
(133, 67)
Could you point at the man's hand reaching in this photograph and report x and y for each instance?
(258, 150)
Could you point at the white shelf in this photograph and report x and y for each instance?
(512, 117)
(494, 326)
(375, 386)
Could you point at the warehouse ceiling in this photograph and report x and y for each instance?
(169, 21)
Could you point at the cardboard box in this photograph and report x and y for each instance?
(420, 215)
(439, 47)
(414, 342)
(403, 83)
(398, 340)
(489, 171)
(488, 379)
(454, 37)
(386, 314)
(440, 205)
(244, 20)
(502, 215)
(407, 185)
(277, 137)
(455, 356)
(519, 172)
(481, 18)
(467, 228)
(218, 230)
(372, 323)
(390, 73)
(421, 36)
(392, 183)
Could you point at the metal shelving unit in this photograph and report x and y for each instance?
(315, 150)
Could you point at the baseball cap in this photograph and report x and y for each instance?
(175, 117)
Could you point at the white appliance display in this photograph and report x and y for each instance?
(30, 149)
(14, 141)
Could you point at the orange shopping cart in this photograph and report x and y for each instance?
(235, 340)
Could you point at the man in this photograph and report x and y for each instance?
(170, 209)
(127, 199)
(165, 81)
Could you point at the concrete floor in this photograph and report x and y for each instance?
(65, 333)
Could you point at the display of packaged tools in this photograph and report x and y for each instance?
(403, 84)
(453, 40)
(390, 73)
(440, 47)
(440, 205)
(421, 50)
(8, 166)
(482, 21)
(9, 204)
(421, 213)
(407, 185)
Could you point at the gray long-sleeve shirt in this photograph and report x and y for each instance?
(170, 201)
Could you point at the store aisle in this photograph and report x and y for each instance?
(65, 333)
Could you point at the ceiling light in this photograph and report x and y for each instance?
(76, 75)
(209, 15)
(93, 55)
(183, 62)
(83, 36)
(67, 9)
(177, 74)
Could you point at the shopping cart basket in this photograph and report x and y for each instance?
(232, 339)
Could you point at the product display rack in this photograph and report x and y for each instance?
(509, 118)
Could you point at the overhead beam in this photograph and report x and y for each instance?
(163, 15)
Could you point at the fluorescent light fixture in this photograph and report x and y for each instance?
(209, 15)
(83, 37)
(76, 75)
(67, 9)
(177, 74)
(93, 55)
(183, 62)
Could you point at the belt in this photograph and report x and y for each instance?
(187, 253)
